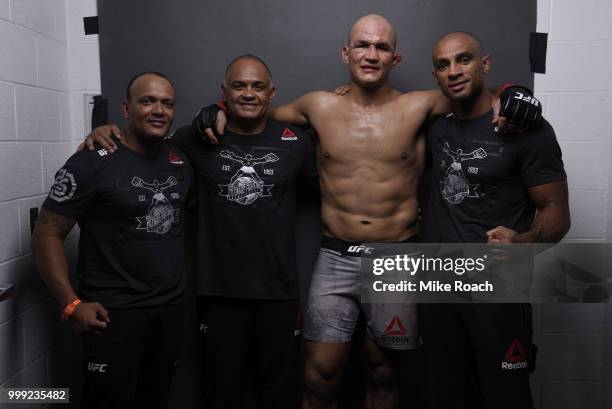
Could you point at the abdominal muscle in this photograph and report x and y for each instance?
(364, 209)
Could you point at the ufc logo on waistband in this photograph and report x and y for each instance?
(360, 249)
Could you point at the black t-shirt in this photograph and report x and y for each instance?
(477, 179)
(130, 210)
(246, 209)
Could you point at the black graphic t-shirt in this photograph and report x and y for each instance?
(129, 208)
(246, 190)
(477, 179)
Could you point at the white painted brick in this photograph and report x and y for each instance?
(65, 117)
(77, 112)
(52, 64)
(7, 113)
(586, 209)
(35, 14)
(9, 226)
(573, 318)
(8, 275)
(38, 115)
(568, 357)
(54, 157)
(41, 330)
(34, 375)
(30, 288)
(85, 69)
(574, 20)
(7, 307)
(4, 9)
(581, 116)
(585, 163)
(572, 395)
(18, 62)
(544, 100)
(76, 11)
(543, 16)
(21, 174)
(60, 20)
(567, 70)
(11, 348)
(24, 220)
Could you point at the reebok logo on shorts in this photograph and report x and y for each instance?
(395, 333)
(515, 358)
(288, 135)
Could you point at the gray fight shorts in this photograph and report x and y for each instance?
(334, 302)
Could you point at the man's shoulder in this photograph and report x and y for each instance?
(419, 96)
(286, 132)
(540, 135)
(90, 159)
(321, 101)
(320, 95)
(181, 135)
(440, 124)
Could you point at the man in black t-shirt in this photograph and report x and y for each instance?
(129, 207)
(484, 187)
(247, 281)
(246, 263)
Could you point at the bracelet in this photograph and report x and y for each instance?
(69, 309)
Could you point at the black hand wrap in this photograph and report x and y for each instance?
(206, 117)
(520, 107)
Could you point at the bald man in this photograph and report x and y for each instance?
(481, 354)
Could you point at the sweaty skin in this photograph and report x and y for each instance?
(371, 149)
(369, 159)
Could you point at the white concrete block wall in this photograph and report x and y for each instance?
(43, 50)
(575, 340)
(84, 74)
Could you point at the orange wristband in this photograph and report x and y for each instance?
(69, 309)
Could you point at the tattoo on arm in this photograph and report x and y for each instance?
(61, 223)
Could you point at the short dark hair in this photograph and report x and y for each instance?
(248, 56)
(128, 95)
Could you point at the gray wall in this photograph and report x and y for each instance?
(192, 42)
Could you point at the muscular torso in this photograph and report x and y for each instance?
(369, 160)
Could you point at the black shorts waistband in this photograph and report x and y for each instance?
(356, 248)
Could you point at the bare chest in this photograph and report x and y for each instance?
(378, 136)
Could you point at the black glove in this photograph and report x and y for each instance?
(520, 107)
(205, 118)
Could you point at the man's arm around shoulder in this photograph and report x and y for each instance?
(299, 112)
